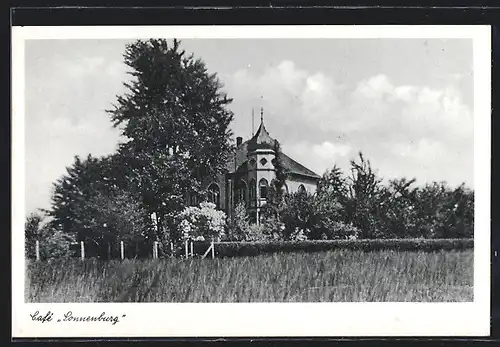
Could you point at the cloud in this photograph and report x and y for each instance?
(407, 130)
(328, 150)
(65, 116)
(319, 157)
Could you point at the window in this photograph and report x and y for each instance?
(252, 162)
(252, 191)
(240, 192)
(214, 194)
(252, 217)
(263, 187)
(263, 161)
(302, 189)
(193, 198)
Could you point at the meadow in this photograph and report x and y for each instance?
(341, 275)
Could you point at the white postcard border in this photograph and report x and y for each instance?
(264, 319)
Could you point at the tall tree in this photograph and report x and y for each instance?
(92, 202)
(71, 191)
(281, 172)
(333, 190)
(445, 212)
(364, 191)
(176, 120)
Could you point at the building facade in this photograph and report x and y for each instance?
(250, 173)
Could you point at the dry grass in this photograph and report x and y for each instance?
(340, 275)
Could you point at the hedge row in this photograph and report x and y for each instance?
(231, 249)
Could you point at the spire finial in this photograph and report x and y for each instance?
(253, 127)
(261, 109)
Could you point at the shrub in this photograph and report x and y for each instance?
(257, 232)
(56, 246)
(201, 223)
(339, 231)
(238, 225)
(232, 249)
(33, 231)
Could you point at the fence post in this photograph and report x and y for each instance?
(213, 249)
(82, 250)
(37, 249)
(192, 252)
(154, 249)
(122, 250)
(186, 248)
(171, 249)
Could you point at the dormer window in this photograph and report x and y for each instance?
(263, 161)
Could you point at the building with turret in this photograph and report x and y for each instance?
(251, 171)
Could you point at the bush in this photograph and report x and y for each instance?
(56, 246)
(339, 231)
(33, 231)
(202, 223)
(232, 249)
(238, 226)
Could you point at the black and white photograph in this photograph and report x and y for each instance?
(196, 169)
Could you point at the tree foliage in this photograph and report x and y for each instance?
(275, 198)
(176, 119)
(92, 203)
(175, 122)
(53, 243)
(362, 206)
(363, 194)
(397, 209)
(239, 224)
(33, 231)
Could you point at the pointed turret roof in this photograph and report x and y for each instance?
(261, 139)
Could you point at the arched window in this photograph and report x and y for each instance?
(252, 192)
(263, 188)
(193, 199)
(213, 193)
(240, 192)
(302, 189)
(285, 188)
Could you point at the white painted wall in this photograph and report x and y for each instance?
(293, 186)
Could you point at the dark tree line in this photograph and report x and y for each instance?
(361, 206)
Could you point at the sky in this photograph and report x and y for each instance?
(406, 104)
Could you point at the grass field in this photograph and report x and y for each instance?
(339, 275)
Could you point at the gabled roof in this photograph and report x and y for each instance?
(296, 168)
